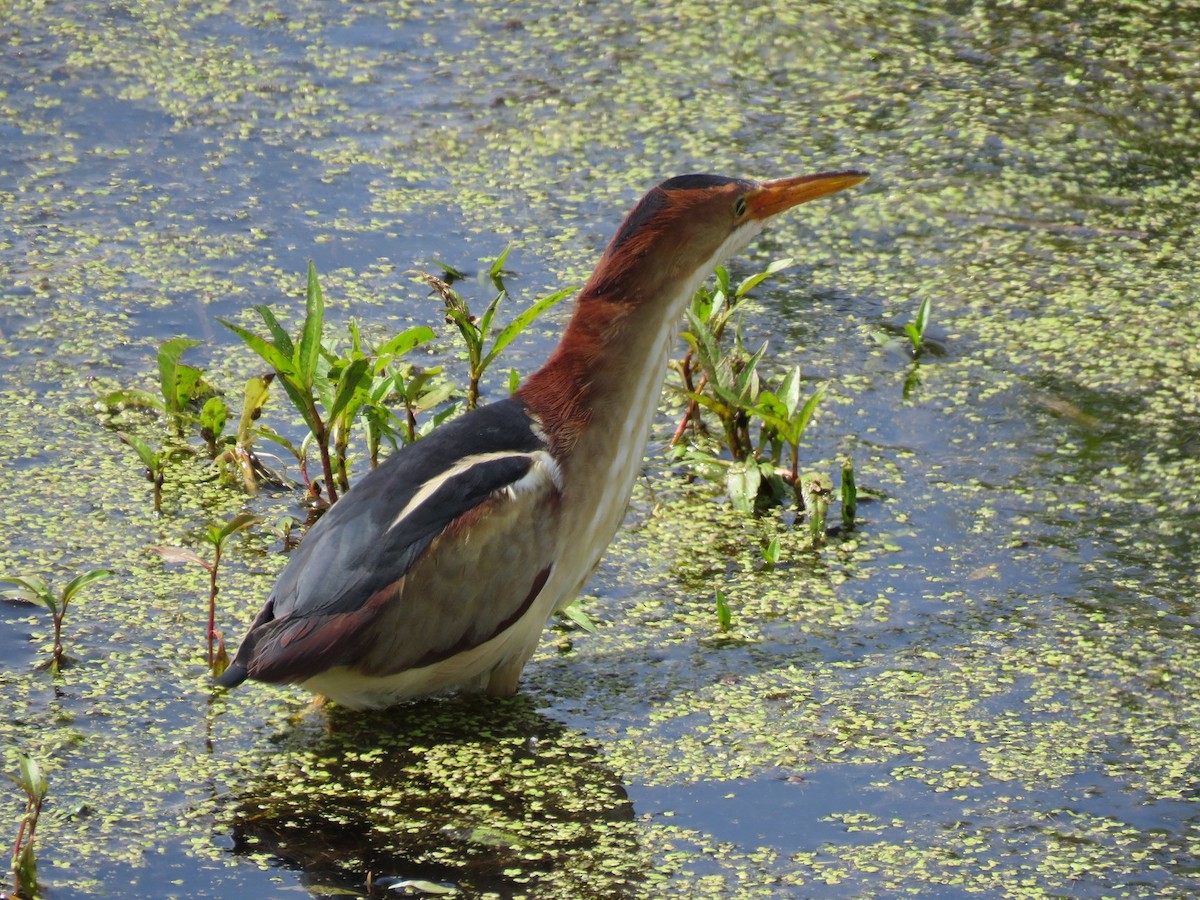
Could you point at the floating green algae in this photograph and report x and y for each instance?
(988, 687)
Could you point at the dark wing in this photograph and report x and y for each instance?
(437, 550)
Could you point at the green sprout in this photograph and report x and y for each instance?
(179, 386)
(916, 329)
(30, 779)
(216, 536)
(849, 495)
(724, 613)
(475, 331)
(297, 366)
(35, 589)
(815, 492)
(155, 462)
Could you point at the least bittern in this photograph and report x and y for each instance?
(439, 570)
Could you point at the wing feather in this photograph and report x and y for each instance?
(439, 549)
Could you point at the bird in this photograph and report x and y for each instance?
(439, 570)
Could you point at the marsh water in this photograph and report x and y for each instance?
(988, 687)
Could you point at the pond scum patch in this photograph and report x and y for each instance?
(989, 687)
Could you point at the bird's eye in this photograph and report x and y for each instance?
(739, 207)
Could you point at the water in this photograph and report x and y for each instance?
(989, 687)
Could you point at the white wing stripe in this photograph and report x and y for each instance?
(543, 469)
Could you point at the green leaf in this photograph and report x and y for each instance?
(220, 658)
(279, 336)
(923, 317)
(485, 322)
(33, 781)
(132, 397)
(169, 369)
(789, 391)
(180, 555)
(724, 613)
(77, 583)
(722, 276)
(238, 523)
(189, 385)
(254, 396)
(771, 551)
(273, 356)
(702, 303)
(435, 395)
(302, 399)
(849, 494)
(452, 274)
(213, 417)
(406, 341)
(522, 320)
(914, 336)
(309, 352)
(742, 481)
(799, 422)
(575, 613)
(26, 588)
(349, 382)
(704, 345)
(746, 383)
(496, 270)
(25, 871)
(150, 458)
(277, 438)
(753, 281)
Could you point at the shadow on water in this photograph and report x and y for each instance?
(457, 793)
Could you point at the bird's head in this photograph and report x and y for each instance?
(687, 225)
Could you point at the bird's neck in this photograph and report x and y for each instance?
(600, 387)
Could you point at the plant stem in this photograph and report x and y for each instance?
(322, 438)
(212, 602)
(473, 389)
(56, 658)
(849, 494)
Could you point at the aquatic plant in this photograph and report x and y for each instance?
(35, 589)
(180, 386)
(475, 331)
(332, 386)
(849, 494)
(916, 328)
(914, 331)
(29, 778)
(772, 552)
(296, 365)
(816, 489)
(155, 462)
(216, 536)
(368, 392)
(726, 383)
(724, 613)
